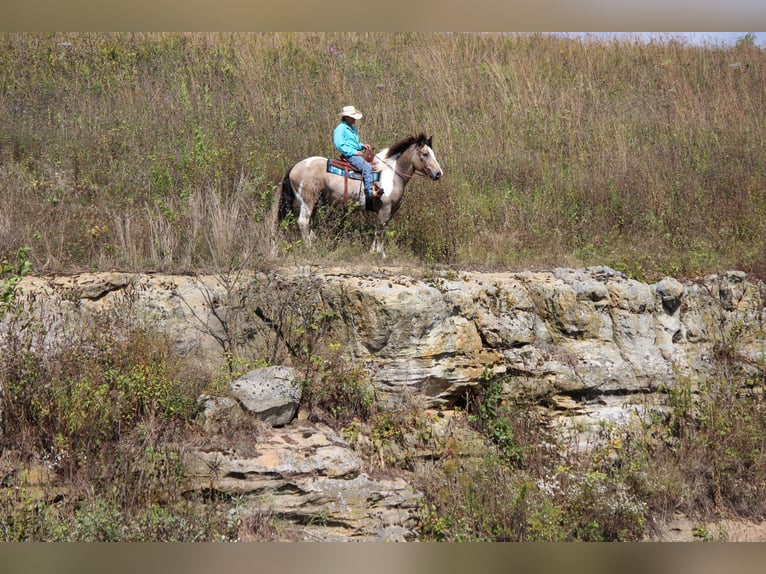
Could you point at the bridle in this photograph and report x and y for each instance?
(416, 171)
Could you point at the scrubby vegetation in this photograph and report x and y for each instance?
(89, 430)
(537, 484)
(95, 421)
(163, 151)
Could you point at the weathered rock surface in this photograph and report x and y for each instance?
(680, 528)
(581, 333)
(591, 343)
(271, 394)
(307, 475)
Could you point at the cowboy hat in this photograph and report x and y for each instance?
(351, 112)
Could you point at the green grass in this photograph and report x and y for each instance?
(163, 151)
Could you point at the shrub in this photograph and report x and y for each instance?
(510, 423)
(101, 401)
(337, 393)
(11, 273)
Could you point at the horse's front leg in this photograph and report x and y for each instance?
(377, 242)
(378, 247)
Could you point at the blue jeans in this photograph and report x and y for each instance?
(366, 168)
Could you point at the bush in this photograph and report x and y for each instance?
(71, 402)
(11, 273)
(528, 485)
(336, 393)
(104, 400)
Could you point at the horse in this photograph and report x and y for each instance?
(311, 180)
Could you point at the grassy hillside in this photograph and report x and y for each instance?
(163, 151)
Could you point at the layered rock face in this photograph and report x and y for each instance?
(306, 474)
(580, 333)
(590, 342)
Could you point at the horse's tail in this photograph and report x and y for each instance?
(280, 207)
(287, 197)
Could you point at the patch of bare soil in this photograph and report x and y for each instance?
(683, 529)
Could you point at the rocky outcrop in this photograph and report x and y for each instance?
(271, 394)
(591, 343)
(576, 333)
(308, 476)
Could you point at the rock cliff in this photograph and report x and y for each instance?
(591, 343)
(579, 333)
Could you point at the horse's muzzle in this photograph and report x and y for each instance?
(436, 175)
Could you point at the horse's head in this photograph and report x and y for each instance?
(424, 159)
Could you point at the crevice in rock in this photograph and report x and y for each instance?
(315, 520)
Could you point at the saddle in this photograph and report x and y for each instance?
(341, 166)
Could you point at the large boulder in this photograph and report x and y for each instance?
(271, 394)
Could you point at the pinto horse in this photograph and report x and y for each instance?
(310, 180)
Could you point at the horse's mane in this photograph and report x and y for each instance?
(401, 145)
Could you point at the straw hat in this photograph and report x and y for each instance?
(351, 112)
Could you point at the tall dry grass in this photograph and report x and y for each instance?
(147, 151)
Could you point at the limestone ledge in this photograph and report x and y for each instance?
(579, 333)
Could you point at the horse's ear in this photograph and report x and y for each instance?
(428, 142)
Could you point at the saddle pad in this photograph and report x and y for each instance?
(340, 167)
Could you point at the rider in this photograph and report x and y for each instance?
(346, 141)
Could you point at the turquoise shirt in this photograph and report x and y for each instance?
(346, 139)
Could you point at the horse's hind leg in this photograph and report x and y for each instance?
(304, 224)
